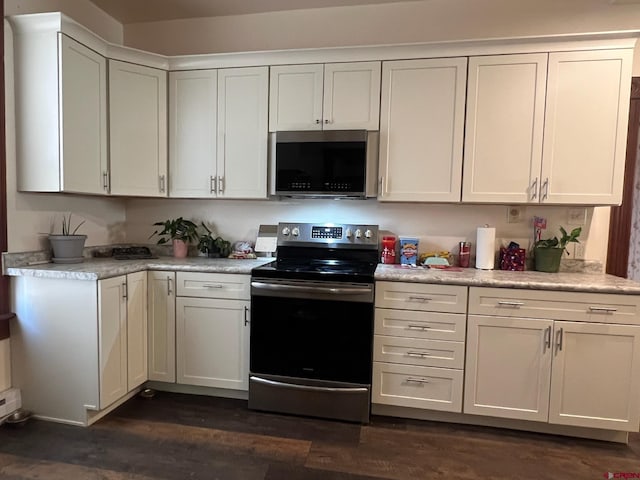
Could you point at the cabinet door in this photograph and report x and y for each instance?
(212, 342)
(136, 329)
(503, 137)
(351, 96)
(508, 367)
(586, 126)
(242, 131)
(112, 334)
(162, 326)
(192, 133)
(596, 376)
(421, 130)
(83, 105)
(138, 129)
(295, 97)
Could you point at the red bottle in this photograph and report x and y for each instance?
(388, 250)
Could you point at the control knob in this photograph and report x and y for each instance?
(295, 231)
(368, 234)
(358, 233)
(286, 231)
(348, 233)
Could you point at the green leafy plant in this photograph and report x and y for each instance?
(176, 229)
(561, 242)
(213, 246)
(66, 226)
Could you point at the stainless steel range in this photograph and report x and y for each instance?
(312, 322)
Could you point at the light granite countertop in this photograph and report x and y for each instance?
(564, 281)
(98, 268)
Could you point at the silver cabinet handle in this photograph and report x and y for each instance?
(559, 336)
(534, 189)
(169, 292)
(210, 285)
(246, 316)
(416, 380)
(220, 185)
(326, 121)
(161, 183)
(419, 298)
(547, 339)
(545, 187)
(105, 180)
(317, 121)
(418, 327)
(212, 185)
(418, 354)
(603, 309)
(505, 303)
(125, 294)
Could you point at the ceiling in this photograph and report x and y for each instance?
(133, 11)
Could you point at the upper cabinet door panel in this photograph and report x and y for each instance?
(421, 129)
(192, 133)
(138, 128)
(242, 132)
(295, 97)
(351, 96)
(586, 126)
(504, 125)
(83, 116)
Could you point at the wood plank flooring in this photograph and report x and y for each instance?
(175, 436)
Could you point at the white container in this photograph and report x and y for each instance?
(486, 248)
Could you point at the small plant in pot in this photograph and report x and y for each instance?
(180, 232)
(67, 246)
(214, 247)
(548, 252)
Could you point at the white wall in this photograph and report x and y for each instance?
(82, 11)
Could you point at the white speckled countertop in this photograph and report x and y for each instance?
(572, 282)
(96, 269)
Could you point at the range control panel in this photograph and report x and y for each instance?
(319, 234)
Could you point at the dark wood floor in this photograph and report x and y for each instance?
(191, 437)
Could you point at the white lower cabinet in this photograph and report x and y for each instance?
(418, 347)
(212, 331)
(578, 373)
(162, 326)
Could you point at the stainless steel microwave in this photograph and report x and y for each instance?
(324, 163)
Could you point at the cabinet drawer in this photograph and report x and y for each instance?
(408, 323)
(417, 387)
(575, 306)
(418, 351)
(420, 296)
(213, 285)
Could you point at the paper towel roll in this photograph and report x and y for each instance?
(485, 248)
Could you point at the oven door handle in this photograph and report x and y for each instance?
(273, 383)
(308, 289)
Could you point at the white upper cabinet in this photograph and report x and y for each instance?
(193, 133)
(218, 133)
(422, 129)
(242, 132)
(585, 127)
(503, 137)
(547, 128)
(61, 115)
(338, 96)
(138, 129)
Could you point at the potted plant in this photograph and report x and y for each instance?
(67, 246)
(214, 247)
(180, 232)
(548, 253)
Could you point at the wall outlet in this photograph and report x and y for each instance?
(514, 214)
(579, 251)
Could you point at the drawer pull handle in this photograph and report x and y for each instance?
(547, 339)
(418, 327)
(419, 299)
(209, 285)
(506, 303)
(418, 354)
(603, 309)
(416, 380)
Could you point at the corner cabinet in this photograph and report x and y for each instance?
(553, 136)
(422, 130)
(218, 133)
(334, 96)
(61, 115)
(566, 358)
(138, 129)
